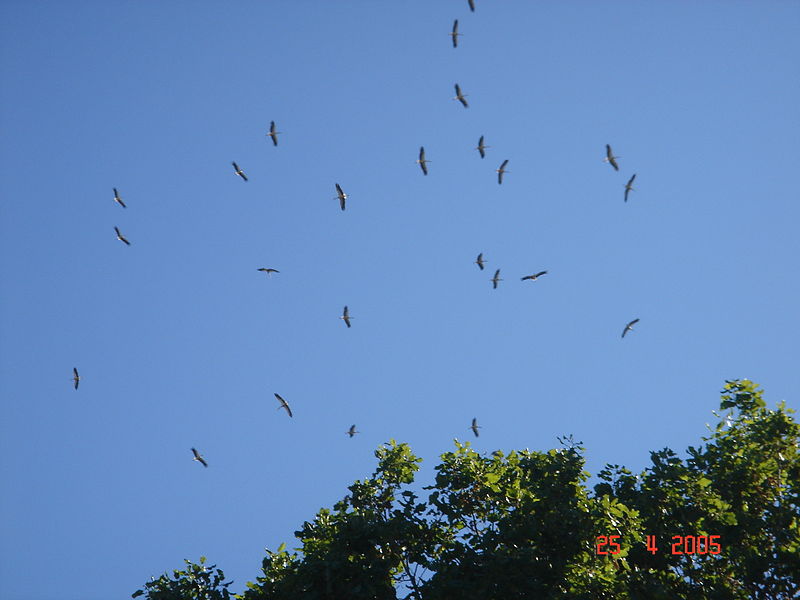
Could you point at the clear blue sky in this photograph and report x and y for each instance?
(181, 342)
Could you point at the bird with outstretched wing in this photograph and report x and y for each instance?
(284, 404)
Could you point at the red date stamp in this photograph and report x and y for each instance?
(681, 544)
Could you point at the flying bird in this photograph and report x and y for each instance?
(118, 199)
(352, 431)
(471, 5)
(346, 316)
(76, 379)
(121, 237)
(238, 171)
(199, 458)
(461, 97)
(480, 262)
(340, 195)
(496, 279)
(454, 34)
(475, 427)
(481, 147)
(273, 134)
(629, 327)
(421, 160)
(284, 404)
(610, 158)
(502, 170)
(629, 186)
(534, 277)
(269, 272)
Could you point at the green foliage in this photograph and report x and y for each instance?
(197, 582)
(524, 525)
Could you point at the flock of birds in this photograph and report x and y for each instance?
(341, 196)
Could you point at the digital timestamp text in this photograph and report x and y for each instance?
(681, 544)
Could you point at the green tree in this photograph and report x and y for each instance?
(525, 525)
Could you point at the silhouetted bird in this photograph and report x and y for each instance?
(238, 171)
(340, 195)
(269, 272)
(461, 97)
(534, 277)
(629, 327)
(421, 160)
(199, 458)
(454, 34)
(475, 427)
(346, 316)
(481, 147)
(610, 158)
(118, 198)
(480, 262)
(629, 186)
(496, 279)
(121, 237)
(284, 404)
(273, 134)
(501, 171)
(352, 431)
(76, 379)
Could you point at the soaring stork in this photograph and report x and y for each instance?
(273, 134)
(76, 379)
(461, 97)
(421, 161)
(346, 316)
(121, 237)
(269, 271)
(340, 195)
(352, 431)
(475, 426)
(629, 186)
(611, 159)
(238, 171)
(534, 277)
(629, 327)
(480, 262)
(481, 147)
(496, 279)
(502, 170)
(284, 404)
(199, 458)
(454, 34)
(118, 198)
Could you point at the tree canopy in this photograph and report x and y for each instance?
(721, 523)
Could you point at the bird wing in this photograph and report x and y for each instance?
(471, 5)
(614, 164)
(540, 273)
(458, 91)
(116, 229)
(203, 461)
(630, 181)
(272, 127)
(464, 102)
(196, 453)
(503, 166)
(235, 166)
(609, 154)
(339, 190)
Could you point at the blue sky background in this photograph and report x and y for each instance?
(181, 342)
